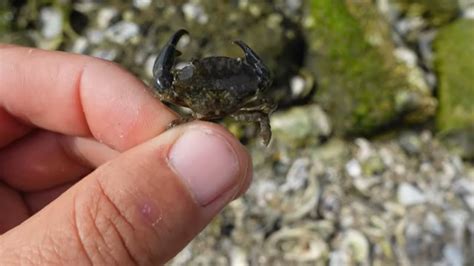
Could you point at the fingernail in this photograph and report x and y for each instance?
(206, 162)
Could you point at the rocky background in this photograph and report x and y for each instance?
(372, 157)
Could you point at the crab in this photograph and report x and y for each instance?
(216, 87)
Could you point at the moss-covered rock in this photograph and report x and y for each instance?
(361, 82)
(5, 18)
(454, 53)
(10, 30)
(436, 12)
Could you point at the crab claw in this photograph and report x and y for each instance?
(252, 58)
(165, 61)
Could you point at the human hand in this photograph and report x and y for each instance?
(88, 174)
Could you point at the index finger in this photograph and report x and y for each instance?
(78, 95)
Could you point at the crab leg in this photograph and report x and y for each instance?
(252, 58)
(262, 121)
(165, 61)
(265, 105)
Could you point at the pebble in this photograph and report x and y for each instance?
(122, 32)
(95, 36)
(80, 45)
(105, 16)
(195, 12)
(141, 4)
(453, 256)
(468, 13)
(297, 85)
(106, 54)
(410, 195)
(406, 55)
(410, 142)
(51, 20)
(353, 168)
(357, 243)
(433, 224)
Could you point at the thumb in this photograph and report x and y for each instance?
(142, 207)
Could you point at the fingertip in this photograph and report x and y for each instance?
(211, 162)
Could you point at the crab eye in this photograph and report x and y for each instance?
(186, 72)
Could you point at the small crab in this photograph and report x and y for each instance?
(215, 87)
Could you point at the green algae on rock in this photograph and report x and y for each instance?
(360, 78)
(10, 32)
(454, 61)
(437, 12)
(5, 18)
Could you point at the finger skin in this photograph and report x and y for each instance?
(35, 201)
(38, 162)
(45, 159)
(12, 209)
(131, 210)
(11, 129)
(78, 95)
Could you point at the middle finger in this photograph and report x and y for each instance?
(39, 161)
